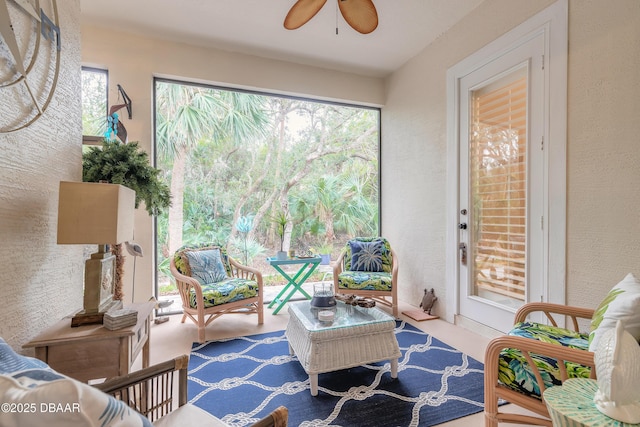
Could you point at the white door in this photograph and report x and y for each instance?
(501, 241)
(506, 173)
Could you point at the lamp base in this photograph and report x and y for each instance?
(99, 276)
(84, 318)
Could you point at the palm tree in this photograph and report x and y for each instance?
(188, 114)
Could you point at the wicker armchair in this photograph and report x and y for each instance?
(150, 392)
(241, 291)
(381, 285)
(537, 354)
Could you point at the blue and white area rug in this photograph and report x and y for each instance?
(241, 380)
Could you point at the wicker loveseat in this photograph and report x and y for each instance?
(211, 284)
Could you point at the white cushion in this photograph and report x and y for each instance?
(189, 415)
(621, 303)
(45, 398)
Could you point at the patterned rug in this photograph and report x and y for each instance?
(240, 380)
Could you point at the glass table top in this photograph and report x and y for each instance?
(345, 316)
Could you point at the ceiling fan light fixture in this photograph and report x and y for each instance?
(361, 15)
(301, 12)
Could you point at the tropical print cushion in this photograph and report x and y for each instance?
(621, 303)
(515, 372)
(182, 263)
(366, 256)
(362, 280)
(228, 290)
(206, 265)
(378, 243)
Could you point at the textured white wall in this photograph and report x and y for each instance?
(603, 178)
(603, 242)
(133, 61)
(41, 281)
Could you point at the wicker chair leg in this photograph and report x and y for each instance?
(201, 333)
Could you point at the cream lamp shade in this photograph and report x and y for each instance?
(95, 213)
(101, 214)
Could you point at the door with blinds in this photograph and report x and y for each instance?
(501, 178)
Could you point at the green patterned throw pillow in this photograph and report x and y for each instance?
(621, 303)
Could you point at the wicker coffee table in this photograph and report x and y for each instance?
(357, 336)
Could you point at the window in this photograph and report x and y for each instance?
(94, 104)
(235, 160)
(498, 162)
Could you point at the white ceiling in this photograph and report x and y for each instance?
(255, 27)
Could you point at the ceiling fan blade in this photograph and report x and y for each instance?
(301, 12)
(360, 14)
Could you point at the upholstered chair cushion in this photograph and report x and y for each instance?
(369, 281)
(515, 372)
(227, 290)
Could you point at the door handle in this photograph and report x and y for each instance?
(462, 226)
(463, 253)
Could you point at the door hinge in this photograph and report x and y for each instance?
(543, 62)
(542, 223)
(542, 144)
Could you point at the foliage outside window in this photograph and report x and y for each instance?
(235, 160)
(94, 101)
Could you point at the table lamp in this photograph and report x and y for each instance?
(101, 214)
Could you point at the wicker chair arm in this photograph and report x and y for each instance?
(245, 272)
(278, 418)
(394, 266)
(549, 309)
(154, 382)
(528, 346)
(338, 264)
(184, 285)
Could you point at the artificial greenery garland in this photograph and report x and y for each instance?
(128, 165)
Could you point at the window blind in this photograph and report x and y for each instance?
(498, 162)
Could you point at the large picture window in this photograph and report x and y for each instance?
(238, 160)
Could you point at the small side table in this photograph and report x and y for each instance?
(571, 405)
(307, 266)
(92, 351)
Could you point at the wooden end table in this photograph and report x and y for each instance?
(92, 351)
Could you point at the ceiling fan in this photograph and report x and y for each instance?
(361, 15)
